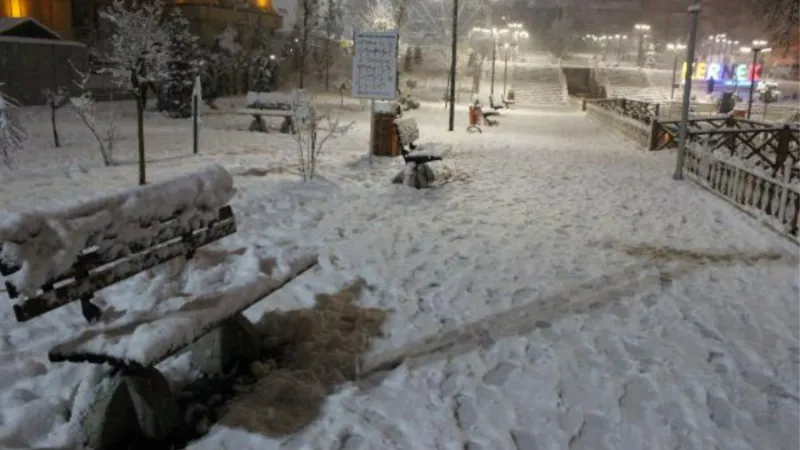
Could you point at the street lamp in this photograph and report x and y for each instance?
(495, 34)
(694, 14)
(641, 29)
(674, 48)
(620, 38)
(505, 70)
(758, 46)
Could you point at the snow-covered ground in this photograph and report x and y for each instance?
(562, 293)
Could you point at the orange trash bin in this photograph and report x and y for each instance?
(475, 115)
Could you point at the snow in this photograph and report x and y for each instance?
(46, 243)
(145, 337)
(564, 292)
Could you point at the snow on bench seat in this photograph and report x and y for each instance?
(144, 339)
(39, 246)
(269, 100)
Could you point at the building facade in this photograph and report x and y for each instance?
(79, 19)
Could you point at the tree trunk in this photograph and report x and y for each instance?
(140, 139)
(53, 120)
(327, 63)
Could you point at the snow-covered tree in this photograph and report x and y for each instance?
(560, 35)
(183, 64)
(782, 18)
(309, 22)
(139, 54)
(12, 136)
(260, 68)
(332, 25)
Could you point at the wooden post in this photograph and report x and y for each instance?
(654, 127)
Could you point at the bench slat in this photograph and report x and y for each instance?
(265, 112)
(48, 242)
(96, 257)
(118, 271)
(163, 335)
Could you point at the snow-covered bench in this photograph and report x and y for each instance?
(52, 258)
(421, 168)
(269, 104)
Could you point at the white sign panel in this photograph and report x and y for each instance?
(375, 65)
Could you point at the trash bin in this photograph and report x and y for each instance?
(384, 139)
(475, 115)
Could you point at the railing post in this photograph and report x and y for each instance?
(583, 105)
(623, 107)
(658, 110)
(782, 149)
(654, 126)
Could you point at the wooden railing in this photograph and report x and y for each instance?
(644, 112)
(758, 145)
(776, 202)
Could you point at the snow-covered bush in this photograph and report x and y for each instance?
(84, 107)
(12, 135)
(310, 141)
(139, 54)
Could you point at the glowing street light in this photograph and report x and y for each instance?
(674, 48)
(758, 47)
(641, 29)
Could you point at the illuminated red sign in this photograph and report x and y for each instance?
(733, 72)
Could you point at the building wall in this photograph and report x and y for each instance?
(56, 14)
(28, 66)
(79, 21)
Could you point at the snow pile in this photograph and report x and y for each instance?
(145, 337)
(43, 244)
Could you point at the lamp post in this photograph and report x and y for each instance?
(453, 59)
(674, 48)
(758, 46)
(505, 69)
(694, 12)
(495, 34)
(620, 38)
(494, 57)
(641, 29)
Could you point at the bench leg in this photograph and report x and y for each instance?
(130, 406)
(258, 125)
(234, 341)
(287, 126)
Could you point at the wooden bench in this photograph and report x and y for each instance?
(422, 168)
(49, 259)
(507, 103)
(494, 105)
(269, 104)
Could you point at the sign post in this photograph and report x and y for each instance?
(375, 71)
(197, 96)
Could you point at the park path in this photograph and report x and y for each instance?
(565, 293)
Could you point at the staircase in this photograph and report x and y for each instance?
(539, 86)
(634, 84)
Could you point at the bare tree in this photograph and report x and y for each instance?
(56, 99)
(139, 55)
(84, 107)
(309, 134)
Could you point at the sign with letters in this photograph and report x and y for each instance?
(375, 65)
(727, 73)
